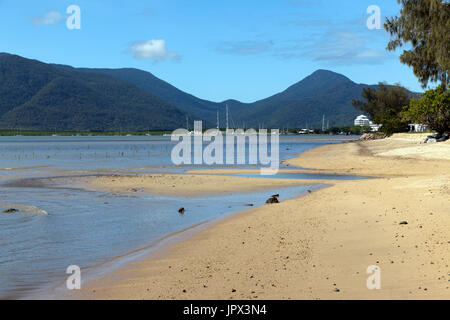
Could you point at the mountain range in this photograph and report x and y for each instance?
(41, 96)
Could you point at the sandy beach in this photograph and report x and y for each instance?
(317, 246)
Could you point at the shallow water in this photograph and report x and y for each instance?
(88, 228)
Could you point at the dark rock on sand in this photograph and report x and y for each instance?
(272, 200)
(12, 210)
(403, 222)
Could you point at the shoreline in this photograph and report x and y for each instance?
(54, 179)
(154, 250)
(153, 272)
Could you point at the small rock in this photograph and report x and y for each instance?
(272, 200)
(403, 222)
(233, 290)
(336, 290)
(12, 210)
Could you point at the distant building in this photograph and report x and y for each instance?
(417, 127)
(363, 121)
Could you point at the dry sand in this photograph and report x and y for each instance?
(320, 245)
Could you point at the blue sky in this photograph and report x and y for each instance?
(245, 50)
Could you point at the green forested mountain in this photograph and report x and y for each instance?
(322, 93)
(35, 95)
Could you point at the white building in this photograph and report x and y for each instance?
(363, 121)
(417, 127)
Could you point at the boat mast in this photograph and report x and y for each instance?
(227, 115)
(218, 125)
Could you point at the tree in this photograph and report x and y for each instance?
(433, 109)
(384, 105)
(424, 25)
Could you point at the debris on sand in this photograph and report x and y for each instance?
(11, 210)
(273, 199)
(438, 137)
(16, 207)
(373, 136)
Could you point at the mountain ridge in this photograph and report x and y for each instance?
(323, 92)
(40, 96)
(255, 113)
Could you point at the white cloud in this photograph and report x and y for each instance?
(336, 48)
(51, 17)
(151, 49)
(346, 48)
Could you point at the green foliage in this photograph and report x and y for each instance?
(433, 110)
(39, 96)
(356, 130)
(384, 105)
(425, 26)
(360, 130)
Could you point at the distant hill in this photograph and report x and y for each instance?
(195, 107)
(35, 95)
(323, 93)
(304, 103)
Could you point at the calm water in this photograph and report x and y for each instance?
(88, 228)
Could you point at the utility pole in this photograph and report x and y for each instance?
(323, 123)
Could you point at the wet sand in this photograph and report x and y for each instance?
(185, 184)
(317, 246)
